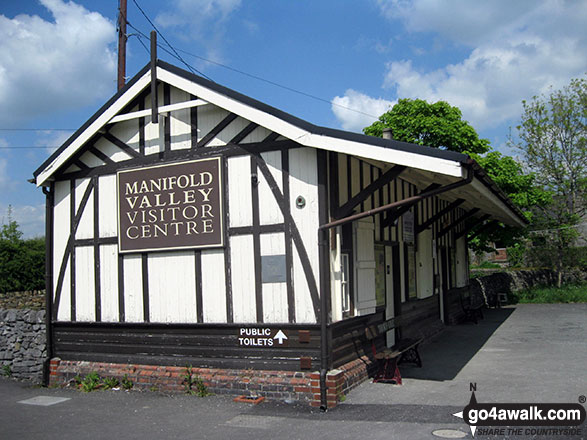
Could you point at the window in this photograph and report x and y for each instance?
(380, 275)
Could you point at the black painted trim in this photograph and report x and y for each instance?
(80, 242)
(145, 277)
(142, 128)
(244, 133)
(198, 271)
(97, 262)
(457, 221)
(263, 229)
(364, 194)
(291, 300)
(323, 253)
(167, 119)
(229, 150)
(194, 124)
(227, 261)
(121, 306)
(103, 157)
(49, 245)
(216, 130)
(123, 146)
(72, 230)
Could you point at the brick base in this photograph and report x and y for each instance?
(274, 385)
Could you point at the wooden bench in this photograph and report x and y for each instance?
(472, 306)
(405, 350)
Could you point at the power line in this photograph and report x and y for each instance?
(38, 129)
(28, 147)
(169, 44)
(250, 75)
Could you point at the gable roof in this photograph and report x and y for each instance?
(433, 160)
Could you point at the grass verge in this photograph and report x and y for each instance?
(566, 294)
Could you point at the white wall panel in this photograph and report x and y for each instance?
(86, 224)
(424, 265)
(240, 199)
(269, 212)
(180, 121)
(257, 135)
(304, 182)
(275, 308)
(64, 310)
(242, 263)
(213, 286)
(127, 132)
(107, 201)
(208, 117)
(90, 160)
(109, 282)
(133, 288)
(61, 230)
(85, 292)
(154, 133)
(172, 288)
(111, 150)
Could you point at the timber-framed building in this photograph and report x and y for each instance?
(190, 224)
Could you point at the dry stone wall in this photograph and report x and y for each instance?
(23, 348)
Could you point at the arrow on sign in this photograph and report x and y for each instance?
(280, 336)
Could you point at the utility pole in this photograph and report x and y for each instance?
(121, 44)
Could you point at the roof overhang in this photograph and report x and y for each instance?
(427, 164)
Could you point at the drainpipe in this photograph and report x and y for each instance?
(322, 244)
(323, 250)
(49, 195)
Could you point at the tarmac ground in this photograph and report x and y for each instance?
(521, 354)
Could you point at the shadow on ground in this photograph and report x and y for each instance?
(445, 355)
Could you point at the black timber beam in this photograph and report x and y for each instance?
(363, 195)
(439, 215)
(395, 214)
(216, 130)
(457, 222)
(123, 146)
(471, 225)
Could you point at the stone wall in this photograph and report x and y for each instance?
(500, 281)
(23, 343)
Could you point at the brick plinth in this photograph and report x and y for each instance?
(273, 385)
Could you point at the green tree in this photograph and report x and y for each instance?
(440, 125)
(521, 188)
(22, 262)
(437, 125)
(552, 137)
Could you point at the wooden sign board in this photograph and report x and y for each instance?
(171, 206)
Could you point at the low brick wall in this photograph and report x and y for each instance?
(23, 346)
(273, 385)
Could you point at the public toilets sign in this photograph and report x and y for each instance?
(172, 206)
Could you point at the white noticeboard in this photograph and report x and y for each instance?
(408, 226)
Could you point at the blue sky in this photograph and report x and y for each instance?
(58, 63)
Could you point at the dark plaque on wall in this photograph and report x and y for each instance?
(172, 206)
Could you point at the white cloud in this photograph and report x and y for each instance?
(52, 139)
(204, 21)
(30, 219)
(50, 65)
(519, 49)
(355, 110)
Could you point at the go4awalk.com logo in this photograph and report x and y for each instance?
(562, 419)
